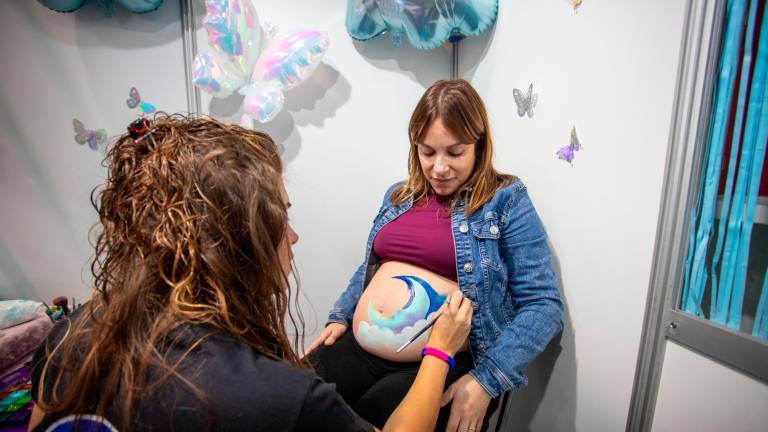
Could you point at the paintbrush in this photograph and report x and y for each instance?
(420, 332)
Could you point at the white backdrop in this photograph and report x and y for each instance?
(610, 70)
(56, 67)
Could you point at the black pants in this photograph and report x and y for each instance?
(373, 386)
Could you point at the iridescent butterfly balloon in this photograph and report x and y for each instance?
(568, 152)
(426, 23)
(259, 63)
(142, 107)
(107, 6)
(525, 101)
(94, 138)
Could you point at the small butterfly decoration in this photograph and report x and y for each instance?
(525, 101)
(142, 107)
(257, 61)
(575, 4)
(568, 152)
(94, 138)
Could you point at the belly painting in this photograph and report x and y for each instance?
(396, 304)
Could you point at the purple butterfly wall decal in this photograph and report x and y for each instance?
(83, 135)
(568, 152)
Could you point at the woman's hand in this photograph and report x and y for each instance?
(418, 410)
(452, 328)
(329, 336)
(470, 401)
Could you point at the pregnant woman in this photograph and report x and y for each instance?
(455, 224)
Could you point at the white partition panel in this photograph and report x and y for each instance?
(609, 70)
(57, 67)
(699, 394)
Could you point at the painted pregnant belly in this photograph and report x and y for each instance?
(395, 307)
(423, 300)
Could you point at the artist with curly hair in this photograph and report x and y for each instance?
(186, 328)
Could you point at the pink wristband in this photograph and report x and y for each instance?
(434, 352)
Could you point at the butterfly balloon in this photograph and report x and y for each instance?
(107, 6)
(142, 107)
(258, 62)
(426, 24)
(83, 135)
(525, 101)
(568, 152)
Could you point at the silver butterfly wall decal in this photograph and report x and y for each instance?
(525, 101)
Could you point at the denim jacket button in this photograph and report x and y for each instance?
(481, 347)
(463, 228)
(468, 268)
(475, 306)
(494, 229)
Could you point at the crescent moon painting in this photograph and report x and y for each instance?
(391, 331)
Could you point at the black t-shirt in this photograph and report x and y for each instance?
(244, 390)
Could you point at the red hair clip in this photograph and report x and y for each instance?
(140, 129)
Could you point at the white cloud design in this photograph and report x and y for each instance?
(371, 336)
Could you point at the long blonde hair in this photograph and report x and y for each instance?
(463, 113)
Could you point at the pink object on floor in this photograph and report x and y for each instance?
(19, 340)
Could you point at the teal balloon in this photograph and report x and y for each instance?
(426, 24)
(106, 6)
(140, 6)
(63, 5)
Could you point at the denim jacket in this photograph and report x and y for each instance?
(503, 266)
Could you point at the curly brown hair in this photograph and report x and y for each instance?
(191, 220)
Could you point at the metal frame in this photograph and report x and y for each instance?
(189, 41)
(733, 348)
(697, 73)
(455, 59)
(689, 128)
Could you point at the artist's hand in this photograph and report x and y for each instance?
(470, 401)
(329, 336)
(452, 328)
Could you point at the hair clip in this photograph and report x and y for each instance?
(140, 129)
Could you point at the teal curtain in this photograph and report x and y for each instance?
(719, 242)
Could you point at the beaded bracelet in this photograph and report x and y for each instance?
(439, 354)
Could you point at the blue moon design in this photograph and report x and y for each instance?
(421, 303)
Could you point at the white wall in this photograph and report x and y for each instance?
(697, 394)
(57, 67)
(610, 70)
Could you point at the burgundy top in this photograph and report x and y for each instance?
(422, 237)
